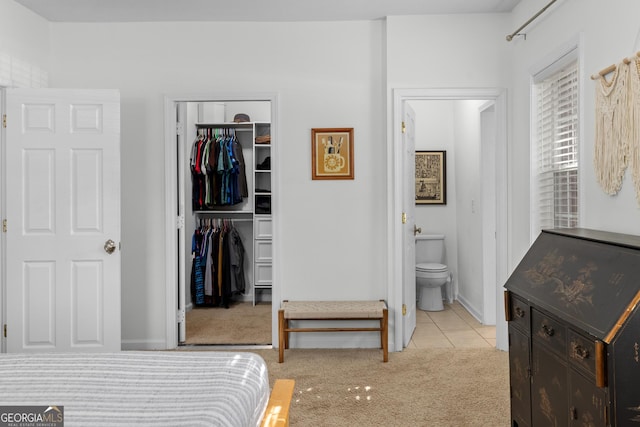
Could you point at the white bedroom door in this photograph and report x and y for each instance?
(408, 234)
(62, 171)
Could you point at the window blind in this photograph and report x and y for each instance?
(556, 138)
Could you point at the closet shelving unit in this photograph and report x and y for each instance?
(256, 208)
(262, 228)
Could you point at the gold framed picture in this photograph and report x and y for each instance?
(332, 153)
(431, 177)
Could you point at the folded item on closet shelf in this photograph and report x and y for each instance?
(241, 117)
(264, 139)
(265, 165)
(263, 208)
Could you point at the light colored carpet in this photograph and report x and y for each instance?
(417, 387)
(353, 387)
(242, 323)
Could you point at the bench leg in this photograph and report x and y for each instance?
(384, 335)
(286, 334)
(281, 335)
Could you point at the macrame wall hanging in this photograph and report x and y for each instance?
(634, 137)
(612, 129)
(617, 134)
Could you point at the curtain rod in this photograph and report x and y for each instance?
(516, 32)
(611, 68)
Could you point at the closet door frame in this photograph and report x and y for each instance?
(174, 214)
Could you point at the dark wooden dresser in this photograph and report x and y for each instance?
(574, 331)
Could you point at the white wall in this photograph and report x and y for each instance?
(326, 74)
(608, 33)
(468, 193)
(24, 44)
(459, 51)
(450, 52)
(447, 51)
(23, 34)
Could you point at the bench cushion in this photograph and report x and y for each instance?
(333, 309)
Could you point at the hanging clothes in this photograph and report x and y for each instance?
(218, 264)
(198, 181)
(197, 269)
(236, 259)
(217, 169)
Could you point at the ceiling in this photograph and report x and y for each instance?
(252, 10)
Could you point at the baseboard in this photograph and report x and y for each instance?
(131, 345)
(472, 310)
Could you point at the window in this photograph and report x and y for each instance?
(555, 140)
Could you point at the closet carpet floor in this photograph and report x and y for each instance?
(240, 324)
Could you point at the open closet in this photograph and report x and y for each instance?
(225, 190)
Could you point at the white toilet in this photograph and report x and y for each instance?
(431, 274)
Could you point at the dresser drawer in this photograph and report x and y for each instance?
(263, 227)
(519, 314)
(582, 352)
(263, 275)
(550, 331)
(263, 251)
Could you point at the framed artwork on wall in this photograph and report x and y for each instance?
(332, 153)
(431, 177)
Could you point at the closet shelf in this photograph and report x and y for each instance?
(223, 212)
(236, 126)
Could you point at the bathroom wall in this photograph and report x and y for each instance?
(454, 126)
(435, 132)
(468, 194)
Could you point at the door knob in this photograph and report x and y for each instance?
(416, 230)
(109, 246)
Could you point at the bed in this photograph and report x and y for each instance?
(148, 388)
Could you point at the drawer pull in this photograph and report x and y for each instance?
(519, 312)
(573, 413)
(548, 330)
(581, 352)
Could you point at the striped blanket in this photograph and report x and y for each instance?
(140, 388)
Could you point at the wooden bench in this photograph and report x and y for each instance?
(332, 310)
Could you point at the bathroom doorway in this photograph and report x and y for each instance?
(487, 202)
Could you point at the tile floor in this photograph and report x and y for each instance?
(453, 327)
